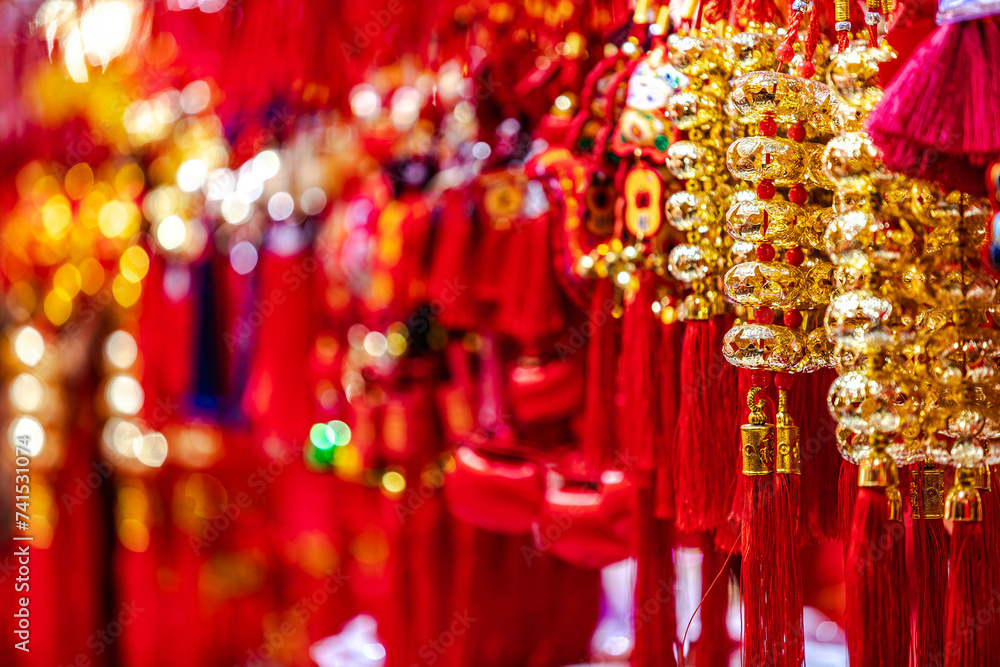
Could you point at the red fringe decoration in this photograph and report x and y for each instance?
(846, 498)
(450, 274)
(921, 135)
(714, 645)
(928, 560)
(770, 577)
(665, 455)
(599, 437)
(991, 535)
(655, 600)
(877, 607)
(531, 307)
(640, 372)
(819, 518)
(708, 450)
(969, 620)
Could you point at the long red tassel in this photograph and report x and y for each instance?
(599, 438)
(847, 497)
(928, 559)
(532, 305)
(451, 269)
(972, 621)
(714, 645)
(655, 601)
(640, 372)
(969, 621)
(665, 454)
(770, 578)
(819, 518)
(707, 429)
(991, 535)
(877, 605)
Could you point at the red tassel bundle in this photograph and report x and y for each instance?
(877, 606)
(937, 120)
(665, 454)
(770, 578)
(818, 518)
(532, 305)
(971, 621)
(928, 564)
(640, 371)
(707, 453)
(655, 601)
(599, 437)
(714, 646)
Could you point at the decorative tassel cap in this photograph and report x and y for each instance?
(878, 468)
(963, 502)
(929, 496)
(758, 439)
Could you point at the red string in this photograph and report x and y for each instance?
(725, 565)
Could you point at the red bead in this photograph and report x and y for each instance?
(765, 190)
(767, 127)
(797, 132)
(763, 315)
(794, 256)
(760, 379)
(785, 52)
(807, 70)
(765, 252)
(798, 195)
(792, 319)
(783, 381)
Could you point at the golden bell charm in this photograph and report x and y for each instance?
(758, 439)
(963, 502)
(878, 470)
(787, 459)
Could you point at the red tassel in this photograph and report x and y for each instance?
(599, 441)
(847, 497)
(991, 535)
(714, 645)
(969, 620)
(655, 603)
(877, 606)
(708, 429)
(770, 578)
(928, 559)
(639, 374)
(450, 272)
(921, 135)
(532, 305)
(819, 518)
(665, 454)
